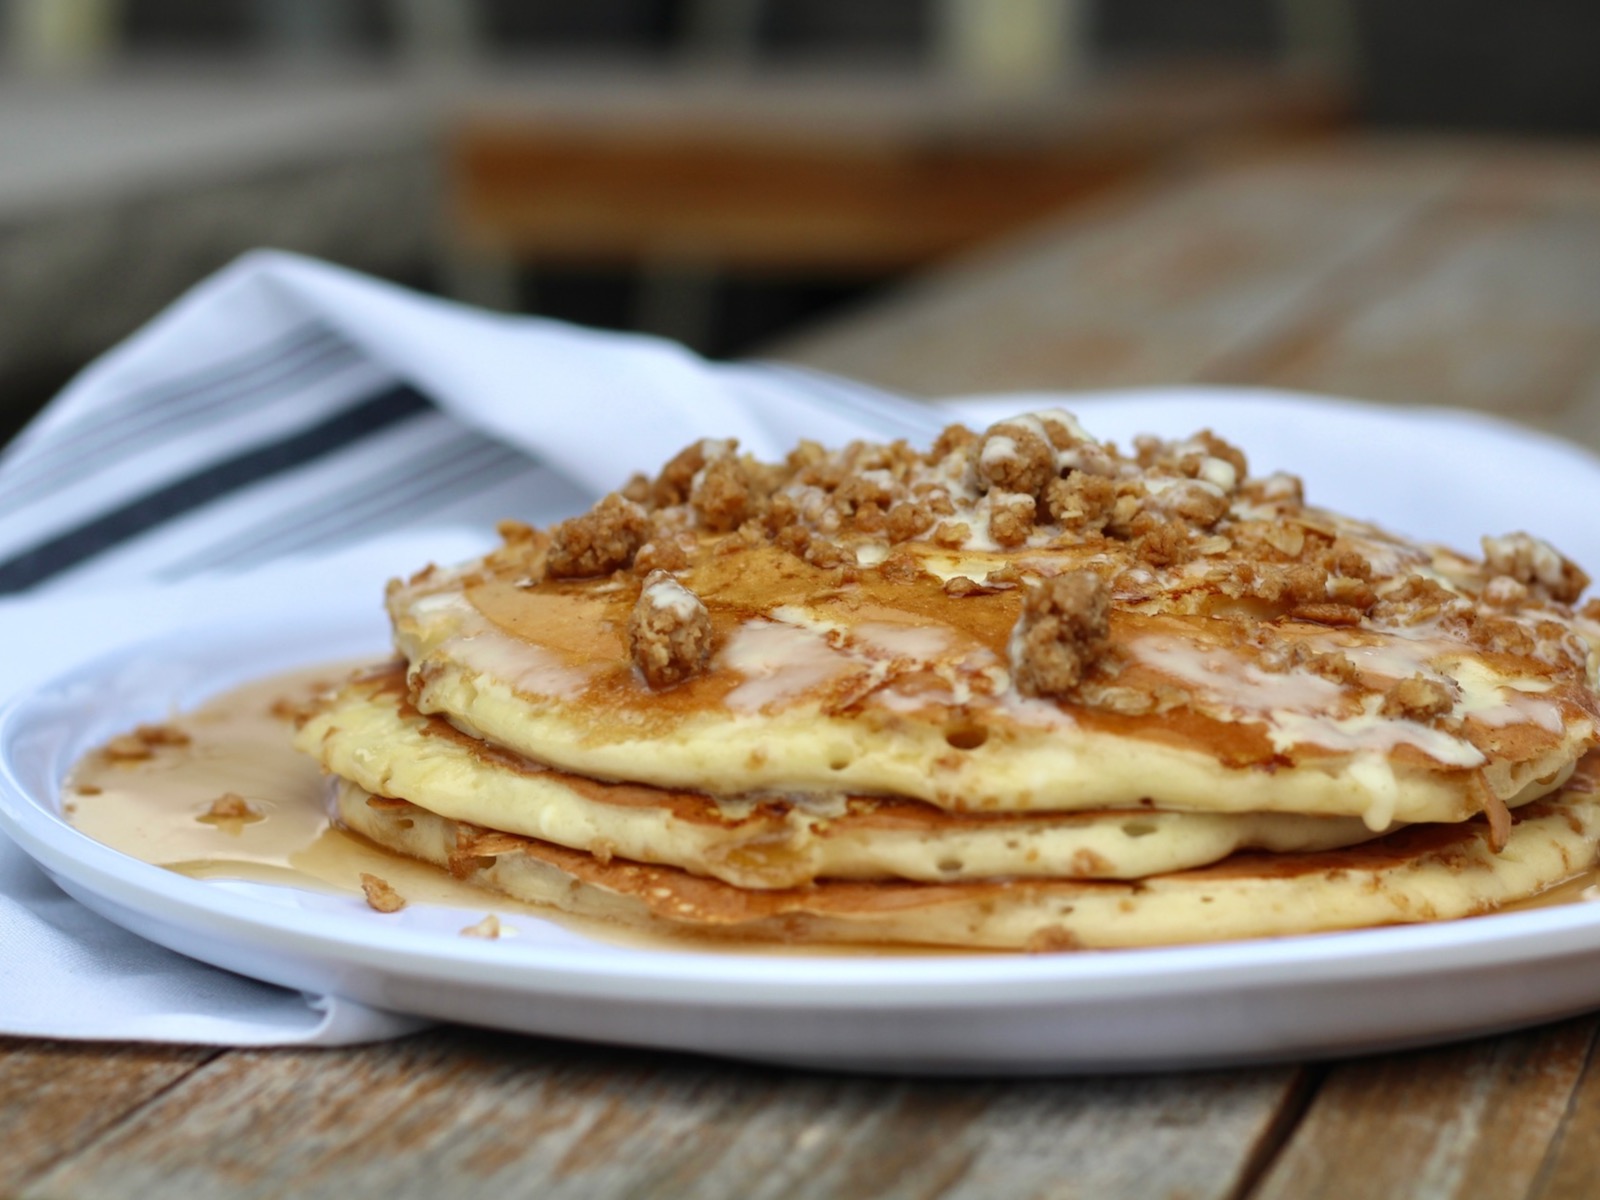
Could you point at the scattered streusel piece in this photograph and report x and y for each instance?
(381, 896)
(126, 747)
(161, 735)
(230, 809)
(489, 928)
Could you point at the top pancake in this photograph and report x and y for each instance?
(1019, 620)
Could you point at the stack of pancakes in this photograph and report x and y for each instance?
(1021, 690)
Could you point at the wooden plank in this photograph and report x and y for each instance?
(1470, 1122)
(1445, 279)
(1151, 288)
(1570, 1168)
(56, 1097)
(850, 173)
(474, 1114)
(555, 196)
(1555, 174)
(1488, 302)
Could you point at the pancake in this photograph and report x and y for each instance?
(1422, 873)
(1020, 621)
(370, 734)
(1020, 691)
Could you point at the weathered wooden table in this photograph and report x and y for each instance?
(1424, 273)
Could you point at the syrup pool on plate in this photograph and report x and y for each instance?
(221, 793)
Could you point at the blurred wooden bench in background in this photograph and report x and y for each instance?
(848, 175)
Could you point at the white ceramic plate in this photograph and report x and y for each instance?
(1146, 1009)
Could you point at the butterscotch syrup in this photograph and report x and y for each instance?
(1583, 888)
(160, 809)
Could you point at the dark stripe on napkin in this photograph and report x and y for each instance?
(257, 380)
(184, 495)
(465, 464)
(490, 466)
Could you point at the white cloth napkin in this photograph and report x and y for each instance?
(287, 409)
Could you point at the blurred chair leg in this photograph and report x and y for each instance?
(306, 29)
(1319, 34)
(677, 298)
(482, 278)
(437, 33)
(722, 33)
(50, 37)
(1011, 44)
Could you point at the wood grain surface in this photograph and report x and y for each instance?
(56, 1098)
(1479, 1119)
(1413, 273)
(471, 1114)
(855, 173)
(1435, 273)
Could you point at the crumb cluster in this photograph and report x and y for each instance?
(669, 632)
(143, 742)
(1064, 626)
(1519, 558)
(599, 542)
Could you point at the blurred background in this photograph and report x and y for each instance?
(725, 172)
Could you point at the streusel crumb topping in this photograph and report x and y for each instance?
(1174, 526)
